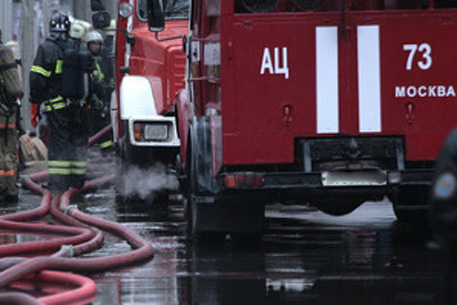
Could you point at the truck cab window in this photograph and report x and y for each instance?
(173, 9)
(142, 11)
(290, 6)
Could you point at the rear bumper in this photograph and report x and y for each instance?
(309, 186)
(297, 180)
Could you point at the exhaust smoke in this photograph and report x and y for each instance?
(146, 183)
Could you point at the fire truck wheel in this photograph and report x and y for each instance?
(191, 215)
(414, 217)
(199, 179)
(242, 219)
(410, 205)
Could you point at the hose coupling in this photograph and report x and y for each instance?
(68, 208)
(69, 247)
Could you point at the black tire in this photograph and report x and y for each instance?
(247, 239)
(192, 234)
(213, 216)
(410, 205)
(198, 161)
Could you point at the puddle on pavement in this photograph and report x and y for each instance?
(304, 258)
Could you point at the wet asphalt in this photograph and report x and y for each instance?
(305, 257)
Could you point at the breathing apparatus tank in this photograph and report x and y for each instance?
(10, 71)
(76, 68)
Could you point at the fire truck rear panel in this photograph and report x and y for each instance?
(297, 76)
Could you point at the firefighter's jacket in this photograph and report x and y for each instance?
(46, 71)
(97, 82)
(67, 147)
(8, 142)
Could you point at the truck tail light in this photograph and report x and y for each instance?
(243, 180)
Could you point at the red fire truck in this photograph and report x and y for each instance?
(150, 69)
(326, 102)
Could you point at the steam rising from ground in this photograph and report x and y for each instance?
(145, 183)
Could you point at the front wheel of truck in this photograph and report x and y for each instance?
(210, 214)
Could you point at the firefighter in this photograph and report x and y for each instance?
(56, 83)
(99, 115)
(11, 91)
(14, 46)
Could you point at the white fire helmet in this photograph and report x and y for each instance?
(93, 36)
(79, 28)
(76, 30)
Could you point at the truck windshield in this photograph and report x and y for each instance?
(173, 9)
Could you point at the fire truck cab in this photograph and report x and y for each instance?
(149, 72)
(326, 102)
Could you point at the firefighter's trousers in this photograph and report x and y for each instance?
(8, 157)
(67, 148)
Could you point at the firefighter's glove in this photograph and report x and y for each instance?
(35, 115)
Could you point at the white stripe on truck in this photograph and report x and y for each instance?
(327, 79)
(369, 76)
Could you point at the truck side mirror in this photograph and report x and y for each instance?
(101, 19)
(97, 5)
(156, 16)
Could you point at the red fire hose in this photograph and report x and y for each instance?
(17, 298)
(81, 295)
(80, 235)
(84, 235)
(96, 137)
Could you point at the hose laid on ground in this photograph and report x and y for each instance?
(81, 295)
(79, 235)
(85, 235)
(17, 298)
(45, 202)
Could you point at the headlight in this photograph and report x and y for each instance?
(155, 132)
(125, 10)
(151, 131)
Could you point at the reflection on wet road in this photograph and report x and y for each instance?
(305, 257)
